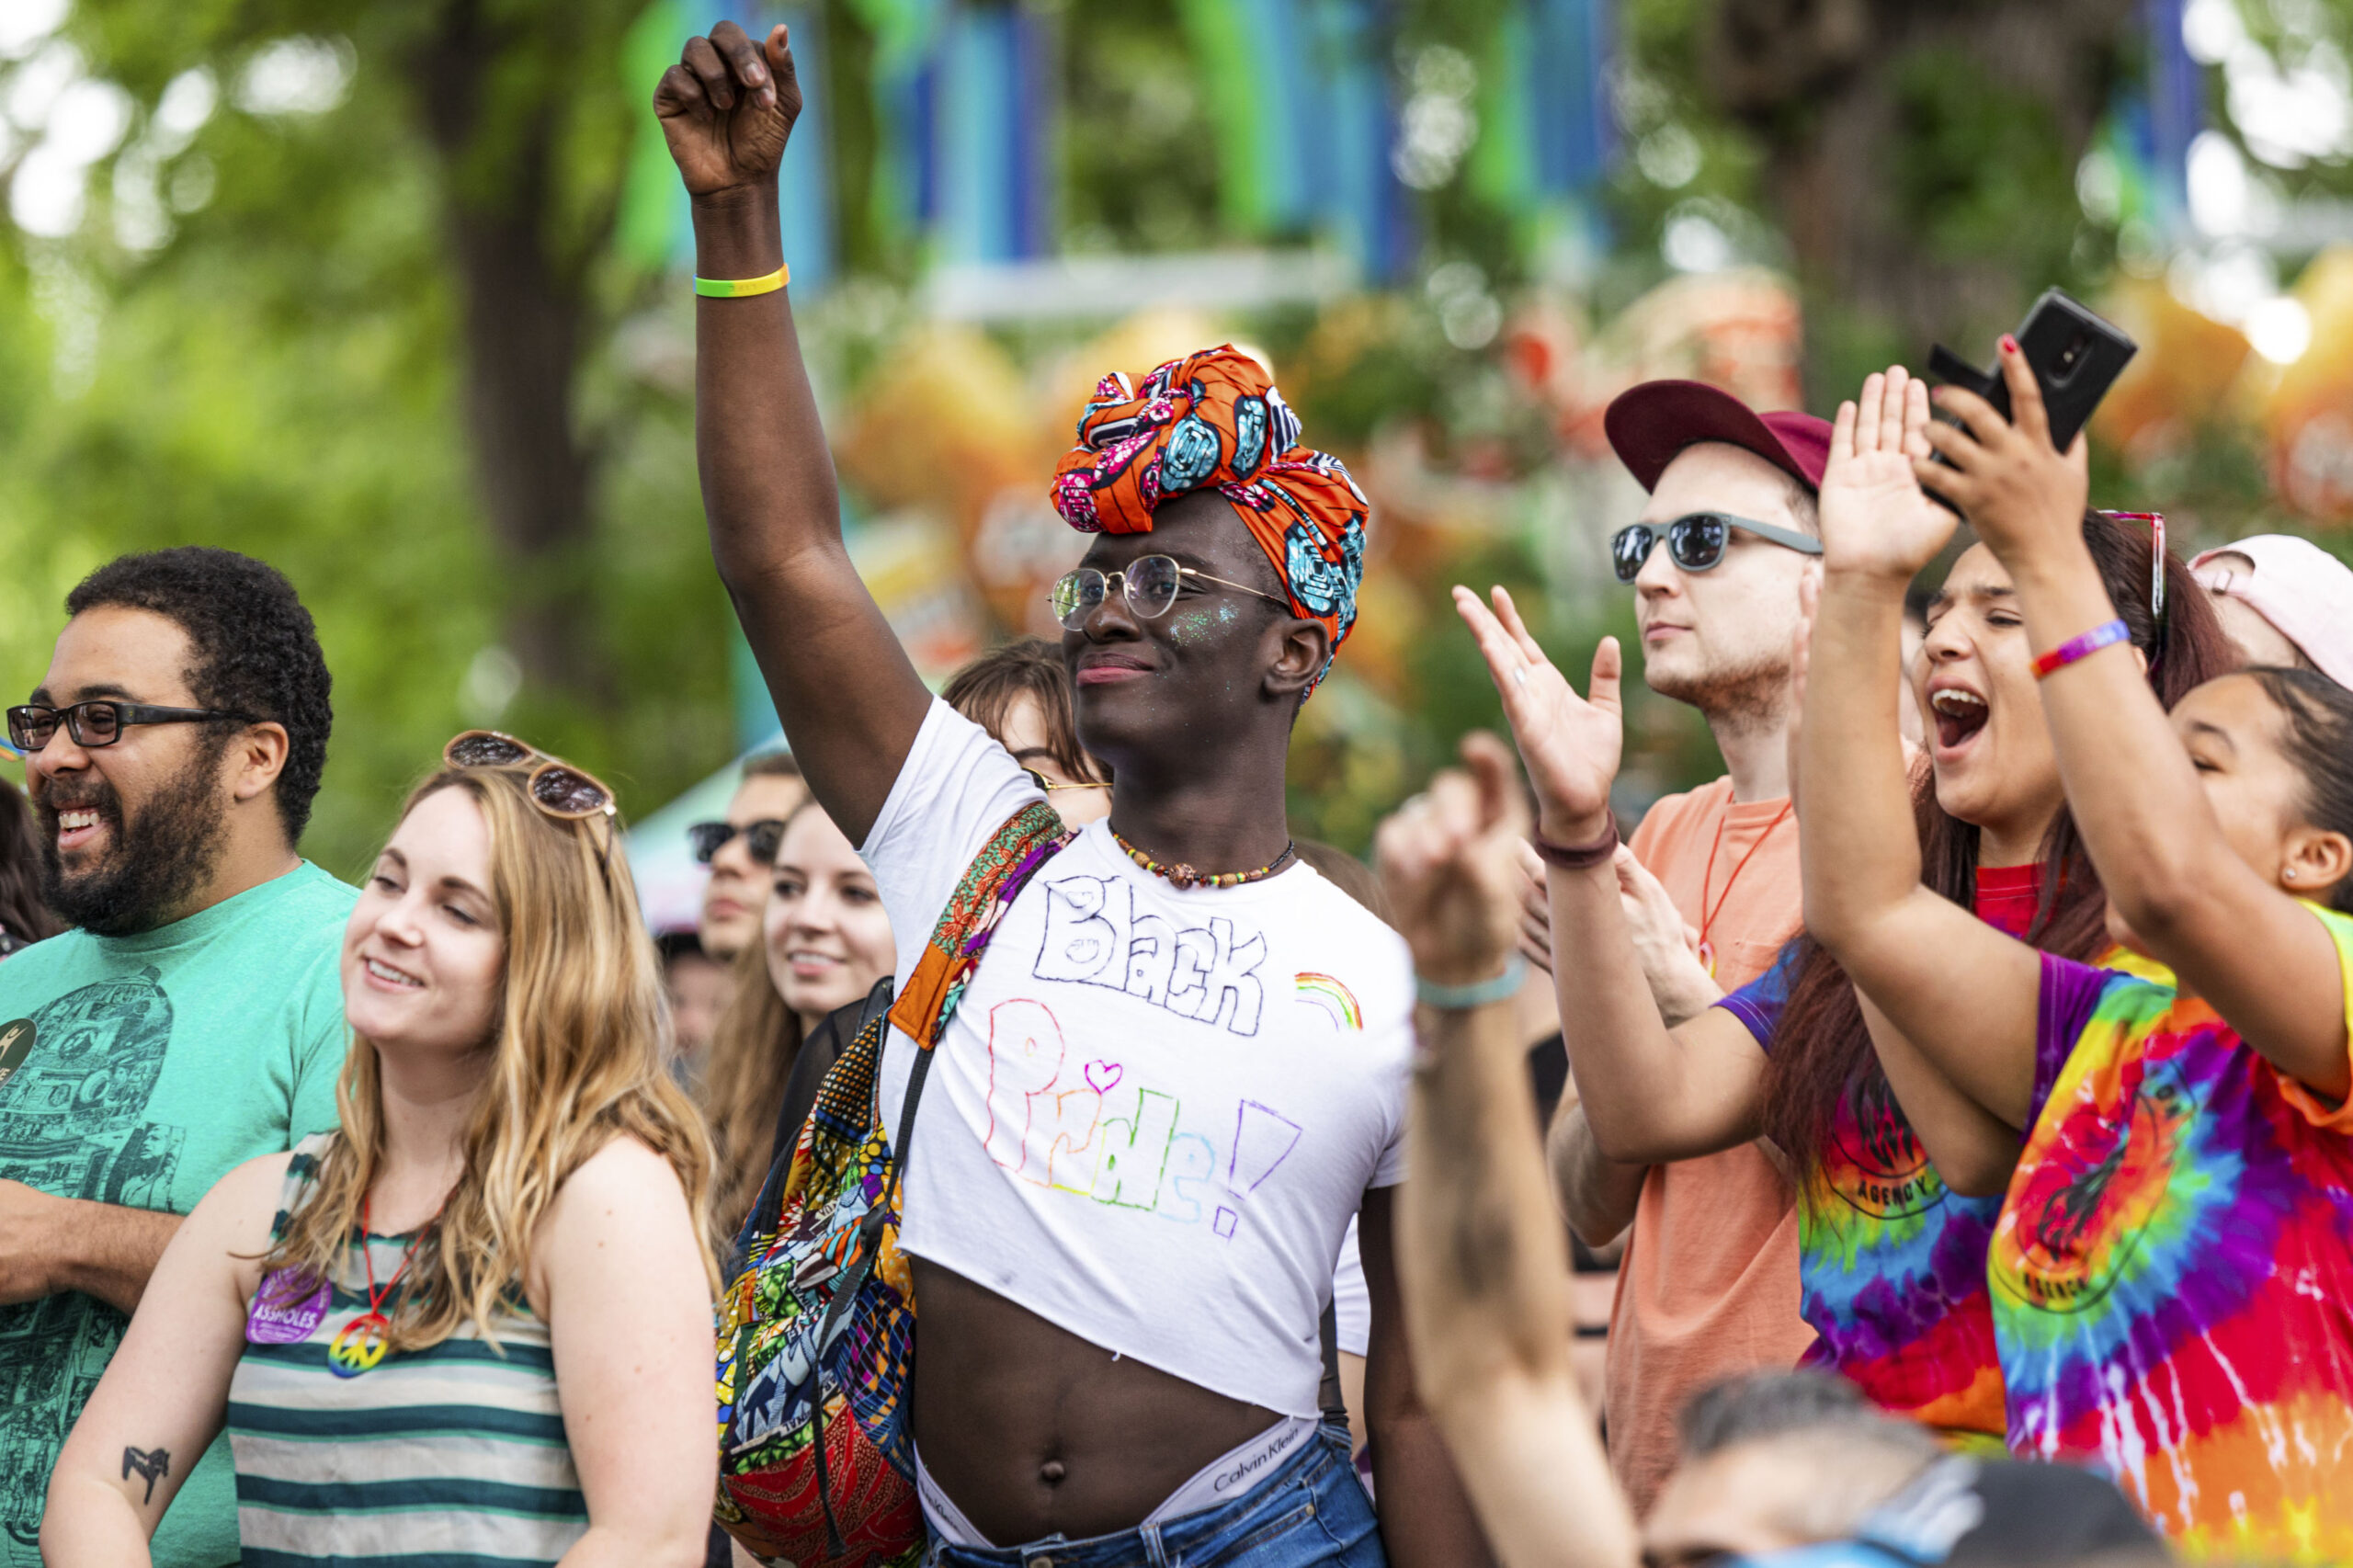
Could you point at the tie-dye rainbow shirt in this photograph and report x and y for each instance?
(2173, 1270)
(1891, 1262)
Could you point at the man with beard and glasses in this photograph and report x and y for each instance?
(1708, 1284)
(194, 1021)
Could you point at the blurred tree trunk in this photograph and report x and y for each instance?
(1921, 158)
(494, 127)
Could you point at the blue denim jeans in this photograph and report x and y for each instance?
(1311, 1513)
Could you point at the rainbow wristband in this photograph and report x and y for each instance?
(742, 288)
(2082, 647)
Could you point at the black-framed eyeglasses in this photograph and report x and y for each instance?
(556, 788)
(760, 838)
(1149, 582)
(1696, 542)
(99, 721)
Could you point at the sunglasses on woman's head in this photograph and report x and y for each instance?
(1149, 583)
(557, 788)
(1696, 542)
(760, 838)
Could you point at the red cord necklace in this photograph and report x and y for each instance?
(359, 1346)
(1706, 914)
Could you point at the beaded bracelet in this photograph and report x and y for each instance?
(2090, 643)
(742, 288)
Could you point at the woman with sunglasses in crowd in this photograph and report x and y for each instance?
(1891, 1255)
(509, 1360)
(2175, 1248)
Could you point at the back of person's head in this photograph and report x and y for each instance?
(579, 1055)
(1822, 1052)
(771, 765)
(1348, 873)
(24, 918)
(255, 650)
(992, 688)
(1779, 1460)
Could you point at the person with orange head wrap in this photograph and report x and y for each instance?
(1214, 420)
(1178, 1069)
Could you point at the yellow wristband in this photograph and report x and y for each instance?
(742, 288)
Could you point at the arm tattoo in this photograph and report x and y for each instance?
(148, 1462)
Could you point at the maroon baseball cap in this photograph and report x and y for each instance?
(1648, 425)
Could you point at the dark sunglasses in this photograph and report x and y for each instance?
(98, 722)
(760, 838)
(558, 788)
(1149, 582)
(1696, 542)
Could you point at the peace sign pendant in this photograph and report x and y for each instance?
(358, 1347)
(1707, 957)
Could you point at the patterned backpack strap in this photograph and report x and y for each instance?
(1003, 866)
(1032, 836)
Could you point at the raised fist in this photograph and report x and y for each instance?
(727, 107)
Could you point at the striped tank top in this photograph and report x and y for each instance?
(454, 1454)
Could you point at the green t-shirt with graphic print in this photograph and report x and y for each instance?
(156, 1063)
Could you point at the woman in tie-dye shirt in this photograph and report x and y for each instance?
(2174, 1256)
(1892, 1261)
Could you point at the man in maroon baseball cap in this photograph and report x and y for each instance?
(1709, 1285)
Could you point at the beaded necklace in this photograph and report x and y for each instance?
(1184, 876)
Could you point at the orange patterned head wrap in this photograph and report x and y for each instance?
(1214, 420)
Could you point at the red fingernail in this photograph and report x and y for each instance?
(2009, 344)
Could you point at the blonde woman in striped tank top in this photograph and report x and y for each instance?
(474, 1324)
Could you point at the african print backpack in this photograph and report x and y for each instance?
(816, 1329)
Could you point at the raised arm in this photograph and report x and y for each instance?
(851, 701)
(1596, 1195)
(2232, 934)
(1650, 1094)
(165, 1391)
(1480, 1258)
(1957, 988)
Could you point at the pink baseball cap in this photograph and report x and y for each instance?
(2304, 591)
(1648, 425)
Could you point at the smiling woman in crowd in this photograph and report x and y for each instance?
(509, 1361)
(825, 941)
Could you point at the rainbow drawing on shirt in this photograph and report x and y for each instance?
(2171, 1270)
(1331, 994)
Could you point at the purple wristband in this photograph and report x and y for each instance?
(2082, 647)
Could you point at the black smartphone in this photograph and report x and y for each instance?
(2075, 356)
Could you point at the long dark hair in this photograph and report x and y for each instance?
(24, 918)
(1822, 1051)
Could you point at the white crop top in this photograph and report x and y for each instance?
(1155, 1111)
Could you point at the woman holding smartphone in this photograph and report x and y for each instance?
(474, 1324)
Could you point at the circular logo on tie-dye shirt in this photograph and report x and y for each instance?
(2081, 1211)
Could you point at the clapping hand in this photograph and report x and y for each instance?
(1875, 520)
(1570, 745)
(727, 108)
(2014, 487)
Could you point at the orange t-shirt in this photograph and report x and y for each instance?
(1708, 1286)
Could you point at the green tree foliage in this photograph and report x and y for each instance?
(388, 339)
